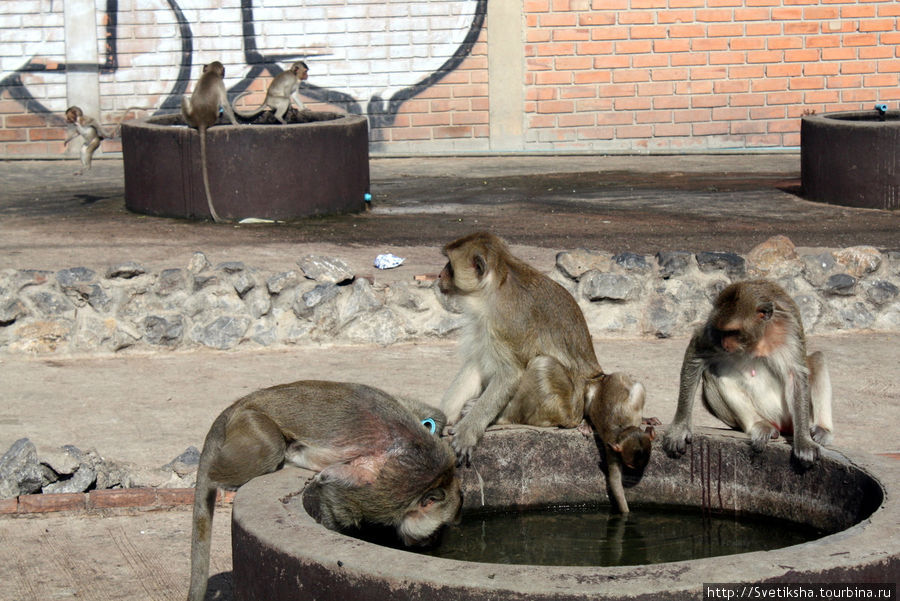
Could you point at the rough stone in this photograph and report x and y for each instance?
(231, 267)
(198, 263)
(279, 282)
(325, 270)
(732, 264)
(598, 286)
(125, 271)
(11, 309)
(163, 331)
(243, 283)
(75, 275)
(20, 470)
(818, 268)
(630, 261)
(575, 263)
(674, 263)
(305, 302)
(49, 304)
(841, 284)
(858, 261)
(882, 292)
(223, 333)
(185, 463)
(772, 255)
(170, 281)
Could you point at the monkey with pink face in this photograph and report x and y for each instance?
(749, 360)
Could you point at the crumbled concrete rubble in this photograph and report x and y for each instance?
(233, 305)
(24, 469)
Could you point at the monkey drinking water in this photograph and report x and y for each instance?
(284, 88)
(528, 354)
(201, 111)
(376, 460)
(91, 133)
(750, 358)
(614, 405)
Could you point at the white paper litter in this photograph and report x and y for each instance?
(388, 261)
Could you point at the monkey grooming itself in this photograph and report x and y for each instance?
(201, 111)
(376, 460)
(528, 352)
(614, 406)
(750, 357)
(90, 132)
(281, 91)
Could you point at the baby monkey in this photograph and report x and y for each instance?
(377, 457)
(614, 405)
(284, 88)
(90, 132)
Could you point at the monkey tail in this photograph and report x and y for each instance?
(251, 115)
(205, 170)
(204, 506)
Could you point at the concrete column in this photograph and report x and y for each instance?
(82, 66)
(506, 74)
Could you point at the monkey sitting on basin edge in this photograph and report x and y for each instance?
(529, 359)
(376, 460)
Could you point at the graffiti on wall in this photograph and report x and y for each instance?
(366, 57)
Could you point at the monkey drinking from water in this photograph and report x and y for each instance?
(376, 460)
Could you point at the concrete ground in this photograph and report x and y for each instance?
(147, 408)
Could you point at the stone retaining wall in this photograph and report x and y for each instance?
(238, 306)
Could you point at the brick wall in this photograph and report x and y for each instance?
(599, 75)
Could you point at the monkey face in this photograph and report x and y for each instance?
(634, 445)
(437, 507)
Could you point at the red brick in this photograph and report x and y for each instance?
(825, 68)
(731, 86)
(689, 30)
(122, 497)
(884, 80)
(556, 106)
(640, 61)
(750, 43)
(677, 45)
(820, 12)
(225, 497)
(843, 81)
(751, 14)
(634, 103)
(806, 83)
(571, 35)
(717, 128)
(838, 54)
(559, 20)
(725, 29)
(8, 506)
(635, 17)
(709, 101)
(575, 120)
(674, 16)
(631, 75)
(787, 14)
(73, 501)
(859, 39)
(585, 77)
(726, 58)
(802, 56)
(634, 46)
(649, 32)
(453, 131)
(859, 95)
(172, 497)
(672, 129)
(769, 84)
(876, 25)
(802, 28)
(689, 59)
(24, 121)
(860, 11)
(596, 18)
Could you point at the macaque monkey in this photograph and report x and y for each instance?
(201, 110)
(282, 90)
(756, 376)
(377, 457)
(529, 358)
(614, 405)
(90, 132)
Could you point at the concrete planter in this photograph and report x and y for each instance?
(279, 172)
(851, 159)
(280, 552)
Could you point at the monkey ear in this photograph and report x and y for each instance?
(479, 264)
(765, 310)
(435, 495)
(650, 432)
(615, 447)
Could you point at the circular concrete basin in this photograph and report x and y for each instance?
(851, 159)
(276, 172)
(280, 552)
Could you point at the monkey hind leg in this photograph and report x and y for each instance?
(820, 392)
(546, 396)
(253, 445)
(725, 398)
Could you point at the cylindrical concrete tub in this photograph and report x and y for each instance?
(276, 172)
(851, 159)
(280, 553)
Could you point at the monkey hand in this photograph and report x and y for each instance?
(806, 451)
(466, 436)
(677, 437)
(760, 435)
